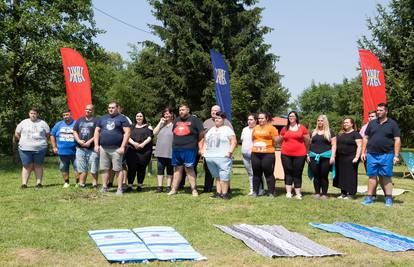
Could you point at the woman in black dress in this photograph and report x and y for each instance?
(348, 151)
(139, 151)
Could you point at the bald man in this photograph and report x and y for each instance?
(86, 157)
(208, 124)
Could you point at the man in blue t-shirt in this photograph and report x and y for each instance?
(111, 135)
(86, 158)
(382, 143)
(64, 145)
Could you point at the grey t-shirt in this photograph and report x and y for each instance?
(209, 123)
(163, 148)
(33, 134)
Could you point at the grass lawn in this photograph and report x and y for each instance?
(48, 227)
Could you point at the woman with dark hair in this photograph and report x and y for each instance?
(246, 149)
(295, 140)
(321, 156)
(348, 152)
(163, 148)
(139, 152)
(263, 153)
(218, 147)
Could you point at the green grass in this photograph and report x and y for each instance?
(48, 227)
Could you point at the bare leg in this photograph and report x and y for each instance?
(169, 178)
(82, 177)
(65, 176)
(288, 189)
(26, 170)
(372, 185)
(120, 179)
(218, 187)
(386, 184)
(38, 169)
(178, 173)
(160, 178)
(297, 191)
(191, 177)
(105, 177)
(224, 187)
(94, 178)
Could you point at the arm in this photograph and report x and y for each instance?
(17, 135)
(397, 148)
(96, 139)
(358, 151)
(127, 133)
(159, 126)
(146, 141)
(233, 144)
(364, 147)
(54, 146)
(78, 140)
(333, 149)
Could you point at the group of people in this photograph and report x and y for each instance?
(119, 148)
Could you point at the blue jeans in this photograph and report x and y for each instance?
(29, 157)
(65, 161)
(87, 159)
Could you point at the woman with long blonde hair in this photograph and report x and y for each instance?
(321, 156)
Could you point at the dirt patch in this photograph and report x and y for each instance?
(28, 255)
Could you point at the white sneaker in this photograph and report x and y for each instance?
(250, 193)
(288, 195)
(66, 185)
(261, 192)
(298, 197)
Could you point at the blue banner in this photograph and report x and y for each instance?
(221, 82)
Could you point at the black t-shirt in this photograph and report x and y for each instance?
(186, 132)
(345, 143)
(139, 135)
(320, 144)
(381, 136)
(85, 129)
(112, 132)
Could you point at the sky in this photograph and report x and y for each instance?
(316, 40)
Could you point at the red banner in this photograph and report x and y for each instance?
(373, 82)
(78, 85)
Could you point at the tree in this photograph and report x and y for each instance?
(31, 72)
(392, 41)
(181, 67)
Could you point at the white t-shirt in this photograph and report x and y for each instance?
(217, 142)
(33, 134)
(247, 142)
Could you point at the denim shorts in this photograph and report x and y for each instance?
(29, 157)
(162, 164)
(220, 167)
(65, 161)
(87, 159)
(184, 156)
(380, 164)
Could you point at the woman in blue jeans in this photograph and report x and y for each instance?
(219, 144)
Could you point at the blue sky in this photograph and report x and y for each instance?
(315, 39)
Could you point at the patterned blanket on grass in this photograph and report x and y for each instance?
(374, 236)
(276, 241)
(143, 245)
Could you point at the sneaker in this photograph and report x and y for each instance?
(119, 192)
(317, 196)
(128, 189)
(226, 196)
(139, 188)
(346, 198)
(254, 195)
(261, 192)
(172, 192)
(298, 197)
(66, 185)
(104, 190)
(272, 195)
(38, 186)
(250, 193)
(388, 201)
(159, 189)
(23, 186)
(194, 193)
(342, 196)
(215, 196)
(367, 201)
(83, 186)
(288, 195)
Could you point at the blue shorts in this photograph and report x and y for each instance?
(220, 167)
(65, 161)
(380, 164)
(162, 164)
(184, 156)
(29, 157)
(87, 159)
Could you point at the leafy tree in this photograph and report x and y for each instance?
(31, 72)
(181, 69)
(392, 31)
(318, 98)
